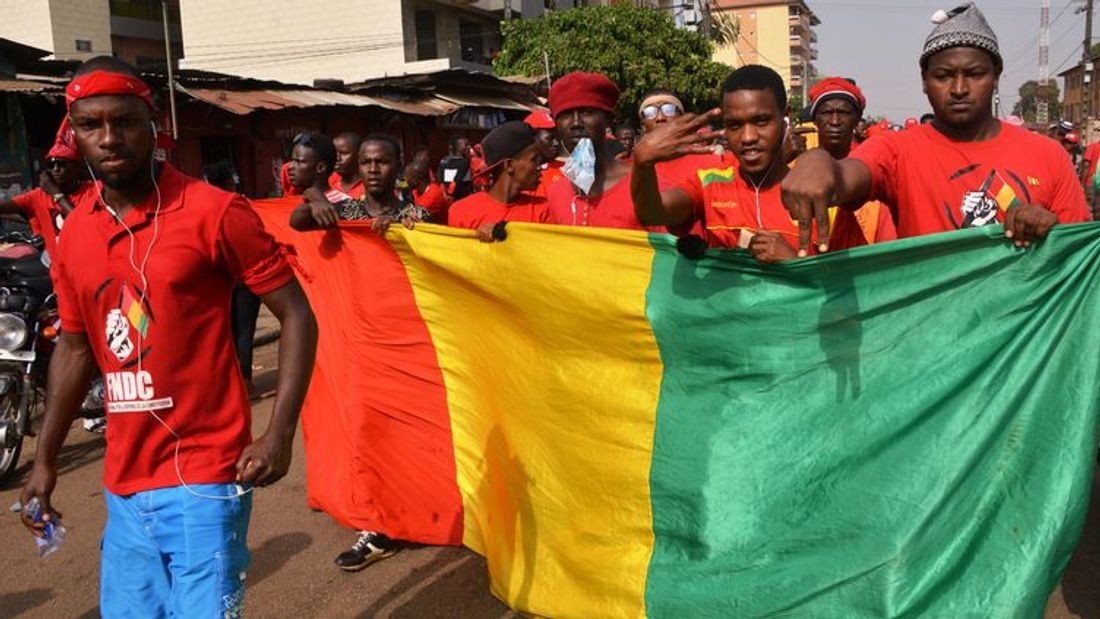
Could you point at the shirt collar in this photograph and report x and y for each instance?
(171, 185)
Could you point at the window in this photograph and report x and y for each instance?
(426, 47)
(83, 45)
(470, 37)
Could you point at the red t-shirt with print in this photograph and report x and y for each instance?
(481, 208)
(44, 215)
(167, 350)
(935, 184)
(726, 206)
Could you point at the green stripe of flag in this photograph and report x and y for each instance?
(906, 429)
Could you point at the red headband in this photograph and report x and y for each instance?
(102, 83)
(64, 147)
(836, 87)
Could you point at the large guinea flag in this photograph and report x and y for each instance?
(906, 429)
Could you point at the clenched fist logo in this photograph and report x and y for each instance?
(118, 335)
(978, 209)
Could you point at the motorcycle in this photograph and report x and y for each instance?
(29, 330)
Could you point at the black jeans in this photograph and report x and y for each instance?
(245, 310)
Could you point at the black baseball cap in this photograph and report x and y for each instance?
(506, 141)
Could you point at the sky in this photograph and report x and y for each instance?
(878, 42)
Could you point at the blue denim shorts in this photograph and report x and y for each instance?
(169, 553)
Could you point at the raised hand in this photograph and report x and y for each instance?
(689, 134)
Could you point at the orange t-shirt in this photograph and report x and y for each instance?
(869, 224)
(936, 185)
(481, 208)
(726, 205)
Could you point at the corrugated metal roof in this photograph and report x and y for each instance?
(14, 85)
(485, 100)
(247, 101)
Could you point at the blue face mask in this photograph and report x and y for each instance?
(580, 169)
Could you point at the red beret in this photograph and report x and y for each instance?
(580, 89)
(834, 88)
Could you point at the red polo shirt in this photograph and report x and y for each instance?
(481, 208)
(44, 214)
(206, 239)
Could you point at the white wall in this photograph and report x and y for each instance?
(27, 22)
(80, 19)
(55, 25)
(294, 41)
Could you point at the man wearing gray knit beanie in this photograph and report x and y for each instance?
(965, 169)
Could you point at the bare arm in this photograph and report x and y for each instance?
(267, 459)
(654, 207)
(816, 182)
(71, 368)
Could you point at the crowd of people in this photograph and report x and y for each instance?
(738, 176)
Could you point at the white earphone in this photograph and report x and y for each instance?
(140, 270)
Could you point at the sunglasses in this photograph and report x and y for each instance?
(667, 110)
(57, 163)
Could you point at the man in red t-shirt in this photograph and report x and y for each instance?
(425, 193)
(1092, 184)
(836, 105)
(345, 172)
(512, 166)
(583, 107)
(738, 206)
(311, 166)
(144, 275)
(546, 136)
(60, 186)
(965, 169)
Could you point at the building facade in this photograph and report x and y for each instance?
(132, 30)
(1076, 92)
(299, 42)
(775, 33)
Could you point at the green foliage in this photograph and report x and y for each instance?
(1027, 106)
(637, 48)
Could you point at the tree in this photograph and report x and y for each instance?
(1028, 104)
(638, 48)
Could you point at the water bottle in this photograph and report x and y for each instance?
(53, 535)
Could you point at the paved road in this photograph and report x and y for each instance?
(292, 573)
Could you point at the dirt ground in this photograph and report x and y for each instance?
(292, 574)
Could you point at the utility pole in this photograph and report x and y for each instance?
(1042, 112)
(1086, 91)
(171, 71)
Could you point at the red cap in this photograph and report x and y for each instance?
(101, 83)
(1072, 138)
(580, 89)
(836, 88)
(911, 122)
(540, 119)
(64, 146)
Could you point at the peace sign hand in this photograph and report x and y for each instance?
(678, 137)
